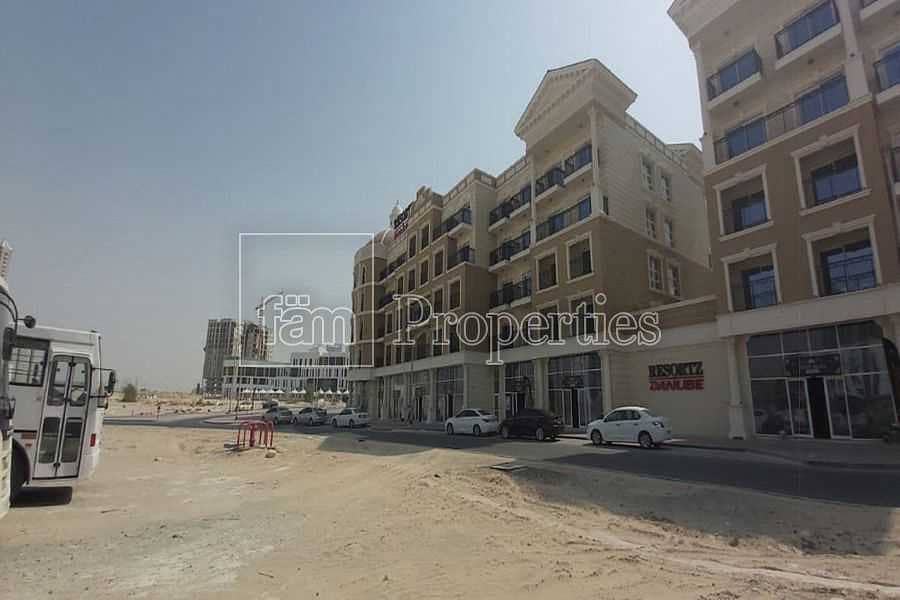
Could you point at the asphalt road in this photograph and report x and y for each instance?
(738, 470)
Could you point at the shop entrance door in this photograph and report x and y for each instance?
(818, 405)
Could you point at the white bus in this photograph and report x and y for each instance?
(61, 391)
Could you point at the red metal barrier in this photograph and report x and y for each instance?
(253, 433)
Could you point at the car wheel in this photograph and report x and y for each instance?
(476, 431)
(334, 423)
(596, 437)
(449, 428)
(504, 432)
(539, 434)
(645, 440)
(351, 423)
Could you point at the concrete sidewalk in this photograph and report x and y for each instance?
(845, 454)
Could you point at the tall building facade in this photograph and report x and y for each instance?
(597, 205)
(227, 338)
(801, 116)
(6, 252)
(317, 373)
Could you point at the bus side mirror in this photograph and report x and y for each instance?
(111, 383)
(9, 342)
(29, 321)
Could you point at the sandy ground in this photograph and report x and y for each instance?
(170, 514)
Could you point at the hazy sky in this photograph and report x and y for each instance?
(139, 139)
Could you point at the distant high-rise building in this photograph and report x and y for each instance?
(226, 338)
(6, 252)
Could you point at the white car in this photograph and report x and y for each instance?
(472, 420)
(350, 417)
(277, 415)
(633, 424)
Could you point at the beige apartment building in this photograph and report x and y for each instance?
(597, 204)
(801, 115)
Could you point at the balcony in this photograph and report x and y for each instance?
(887, 74)
(463, 255)
(847, 269)
(577, 164)
(512, 294)
(753, 285)
(733, 78)
(870, 8)
(810, 31)
(548, 183)
(392, 266)
(385, 300)
(510, 250)
(827, 98)
(510, 209)
(564, 219)
(455, 224)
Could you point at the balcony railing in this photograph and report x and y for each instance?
(734, 73)
(463, 215)
(826, 98)
(581, 158)
(564, 219)
(464, 254)
(392, 266)
(512, 292)
(811, 24)
(887, 71)
(510, 206)
(551, 178)
(511, 248)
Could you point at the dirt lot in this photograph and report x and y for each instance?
(170, 515)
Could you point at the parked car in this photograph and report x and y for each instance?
(269, 403)
(311, 416)
(633, 424)
(277, 415)
(531, 422)
(350, 417)
(472, 420)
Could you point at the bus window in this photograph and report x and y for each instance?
(71, 441)
(28, 362)
(57, 393)
(78, 392)
(49, 438)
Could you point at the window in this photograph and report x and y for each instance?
(438, 300)
(654, 269)
(584, 322)
(809, 25)
(669, 232)
(547, 272)
(580, 258)
(650, 222)
(552, 332)
(759, 287)
(454, 294)
(647, 178)
(733, 73)
(826, 98)
(835, 180)
(412, 246)
(675, 281)
(438, 263)
(411, 279)
(28, 363)
(748, 211)
(849, 268)
(400, 285)
(665, 184)
(424, 237)
(746, 137)
(423, 273)
(887, 70)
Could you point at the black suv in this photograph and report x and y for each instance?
(531, 422)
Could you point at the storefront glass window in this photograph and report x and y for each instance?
(826, 382)
(575, 388)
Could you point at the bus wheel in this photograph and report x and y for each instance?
(18, 475)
